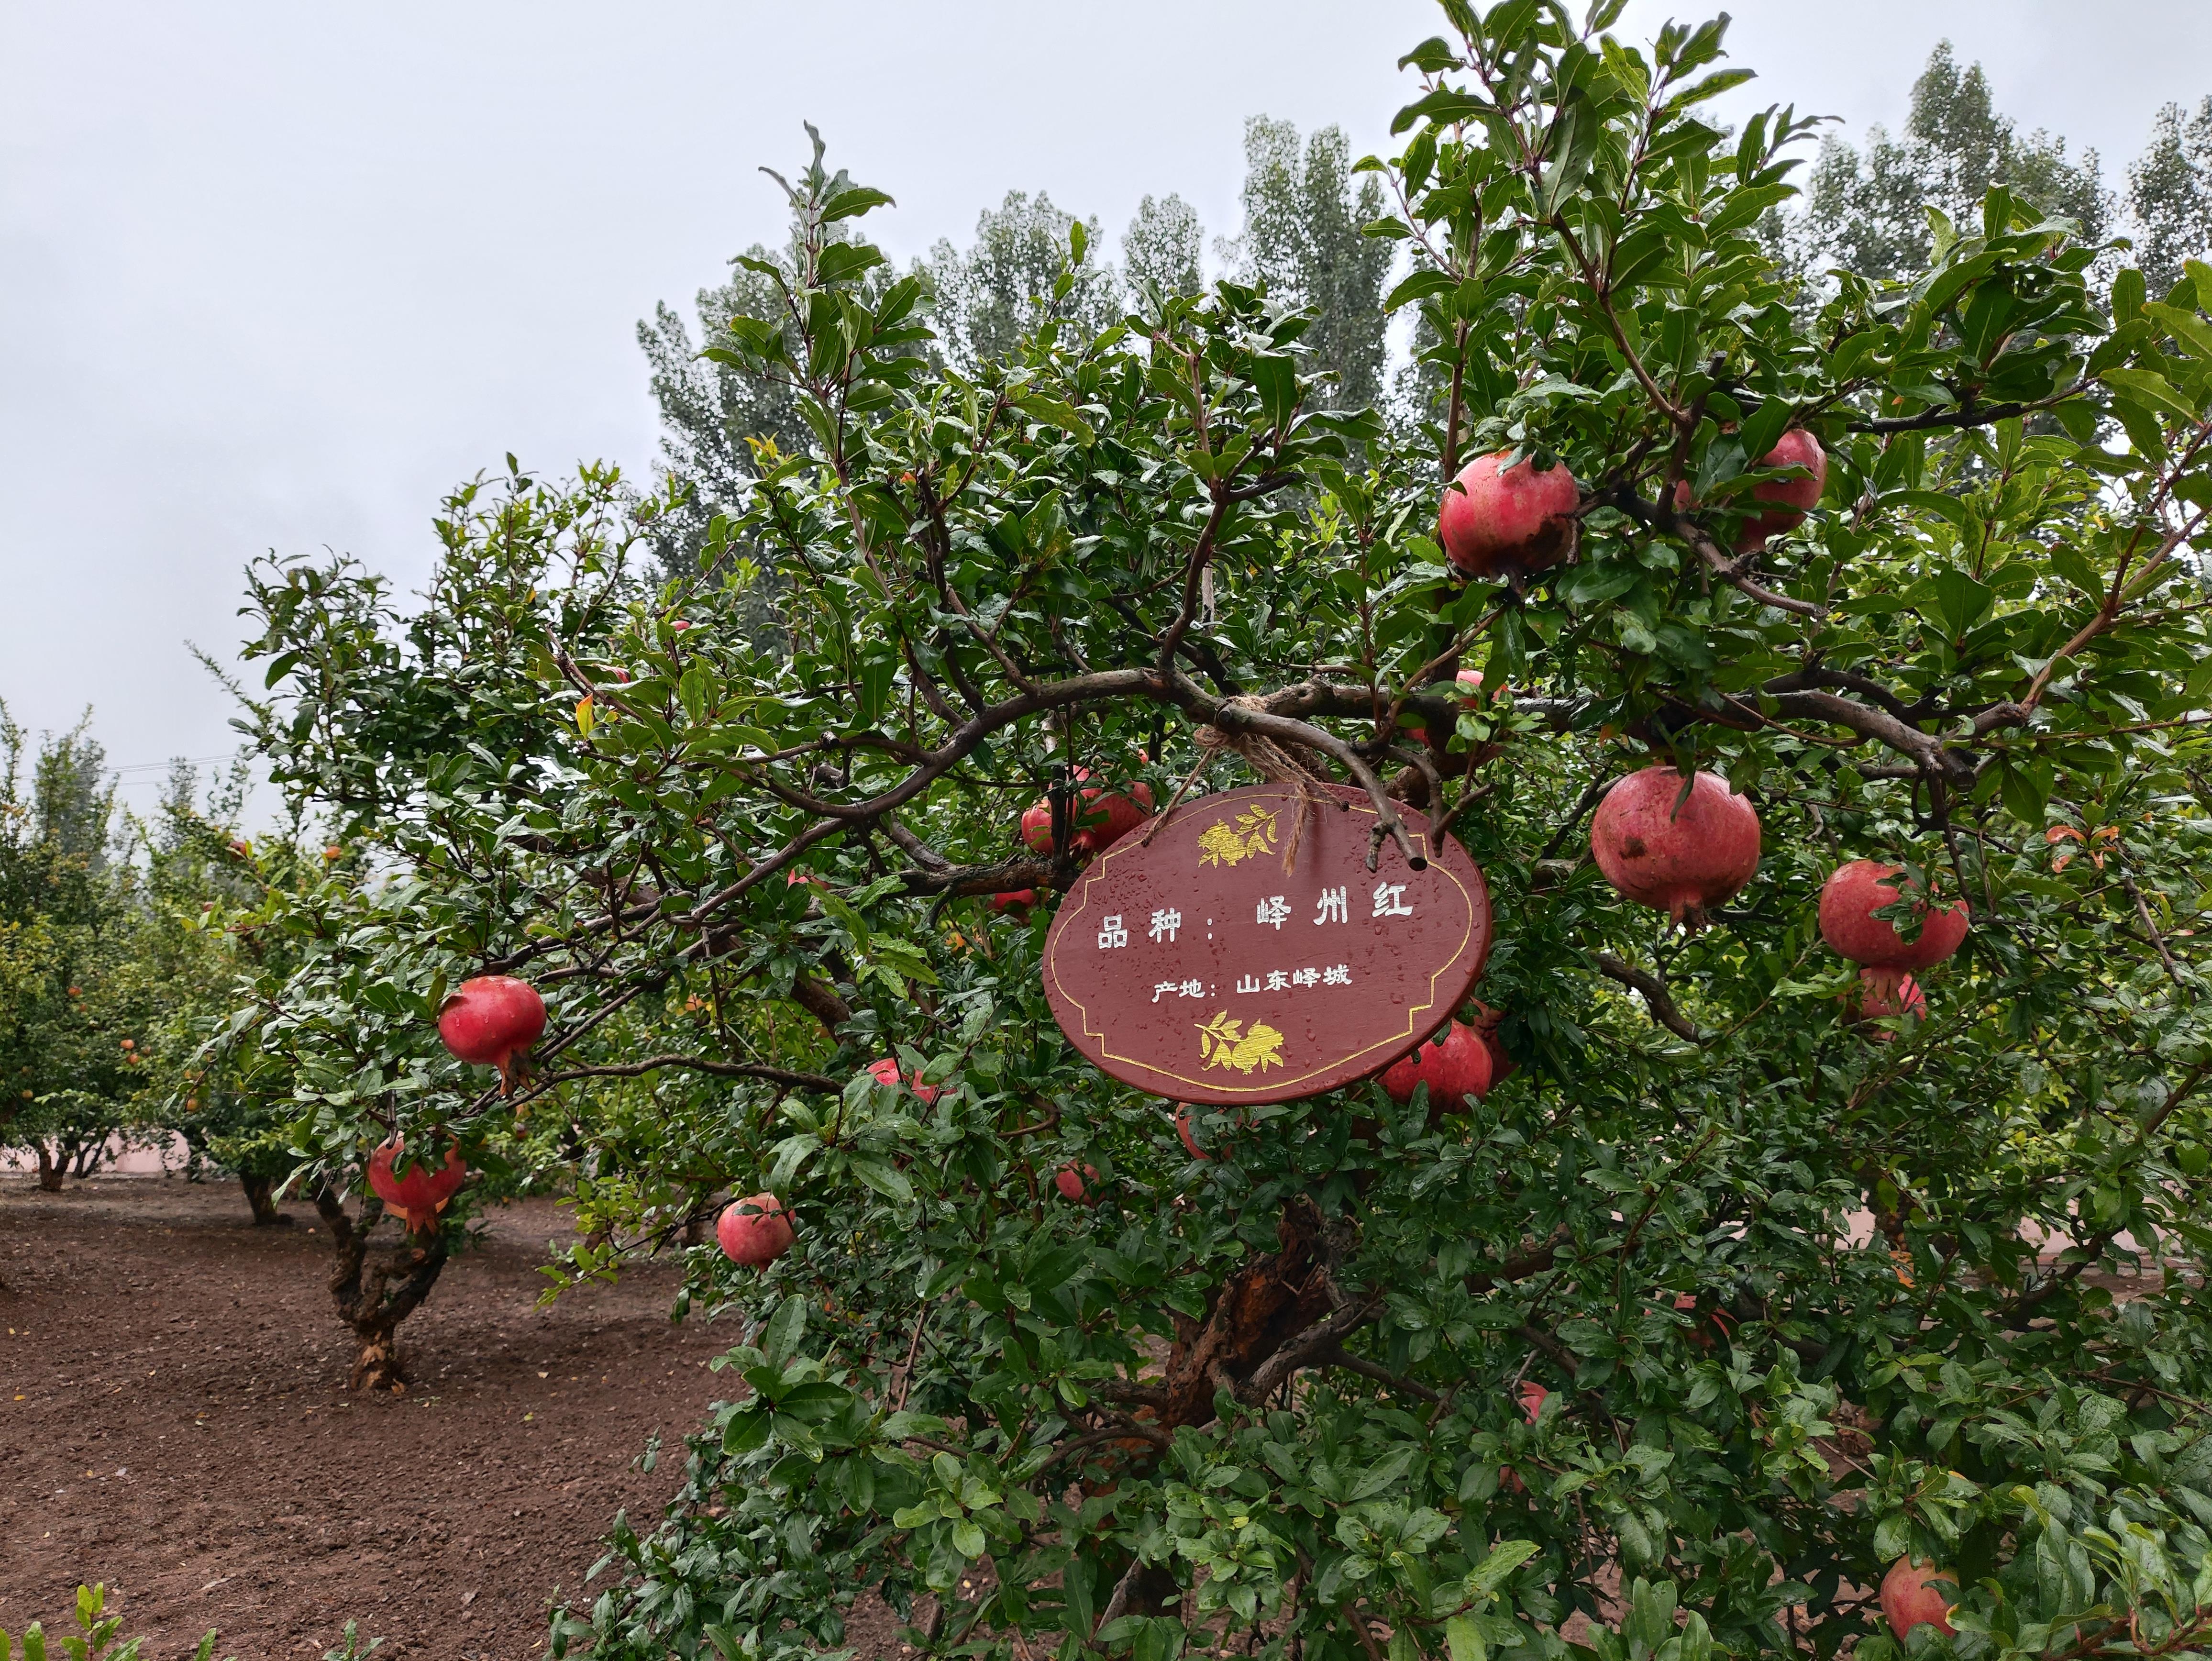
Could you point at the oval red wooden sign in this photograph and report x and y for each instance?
(1194, 965)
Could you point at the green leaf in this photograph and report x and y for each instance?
(779, 1340)
(852, 203)
(1053, 413)
(2150, 387)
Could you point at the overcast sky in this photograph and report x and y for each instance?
(274, 276)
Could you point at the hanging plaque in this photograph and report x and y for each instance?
(1190, 963)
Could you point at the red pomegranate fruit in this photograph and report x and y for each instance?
(1849, 900)
(755, 1231)
(1077, 1185)
(417, 1198)
(1018, 902)
(1454, 1065)
(492, 1021)
(1788, 499)
(1702, 1329)
(886, 1071)
(1680, 856)
(1498, 522)
(1912, 1596)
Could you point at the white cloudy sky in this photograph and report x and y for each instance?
(272, 276)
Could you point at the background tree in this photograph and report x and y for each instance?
(2170, 195)
(1007, 285)
(1804, 1294)
(1164, 246)
(1867, 212)
(203, 935)
(74, 1014)
(1302, 238)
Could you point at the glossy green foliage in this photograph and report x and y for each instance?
(1802, 1295)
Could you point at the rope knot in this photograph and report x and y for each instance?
(1277, 763)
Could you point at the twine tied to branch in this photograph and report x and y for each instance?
(1277, 762)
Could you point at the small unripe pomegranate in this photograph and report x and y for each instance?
(1849, 900)
(417, 1198)
(1454, 1065)
(1911, 1596)
(1883, 993)
(1186, 1127)
(492, 1021)
(1715, 1321)
(755, 1231)
(1682, 860)
(334, 852)
(1486, 1023)
(1077, 1186)
(1498, 522)
(885, 1070)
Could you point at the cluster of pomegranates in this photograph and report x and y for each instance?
(1684, 847)
(1098, 819)
(1504, 521)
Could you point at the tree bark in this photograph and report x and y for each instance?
(50, 1174)
(374, 1294)
(259, 1192)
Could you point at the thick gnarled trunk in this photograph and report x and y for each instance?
(374, 1292)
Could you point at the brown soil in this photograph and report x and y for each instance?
(174, 1422)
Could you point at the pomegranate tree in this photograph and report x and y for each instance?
(1163, 544)
(1681, 851)
(492, 1021)
(1508, 522)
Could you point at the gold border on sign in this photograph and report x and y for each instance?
(1081, 901)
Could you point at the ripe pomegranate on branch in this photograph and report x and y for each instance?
(1271, 1398)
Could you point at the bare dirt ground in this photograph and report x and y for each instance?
(174, 1422)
